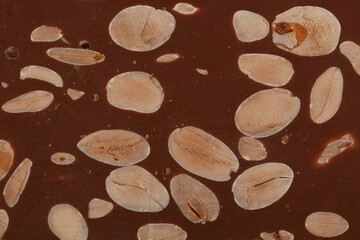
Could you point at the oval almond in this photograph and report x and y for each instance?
(326, 224)
(326, 95)
(115, 147)
(161, 231)
(41, 73)
(197, 202)
(62, 158)
(46, 34)
(141, 28)
(266, 112)
(17, 182)
(67, 223)
(250, 26)
(75, 56)
(6, 158)
(262, 185)
(252, 149)
(268, 69)
(352, 52)
(135, 91)
(202, 154)
(4, 222)
(135, 189)
(185, 8)
(306, 31)
(34, 101)
(166, 58)
(99, 208)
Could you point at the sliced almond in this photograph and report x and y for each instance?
(161, 231)
(4, 85)
(202, 71)
(4, 222)
(67, 223)
(99, 208)
(250, 26)
(281, 235)
(268, 69)
(262, 185)
(135, 91)
(185, 8)
(135, 189)
(202, 154)
(326, 224)
(75, 94)
(115, 147)
(166, 58)
(41, 73)
(306, 31)
(75, 56)
(352, 52)
(62, 158)
(34, 101)
(46, 34)
(251, 149)
(17, 182)
(197, 202)
(326, 95)
(6, 158)
(266, 112)
(336, 147)
(141, 28)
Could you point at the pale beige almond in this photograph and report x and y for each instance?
(99, 208)
(62, 158)
(262, 185)
(202, 154)
(166, 58)
(4, 85)
(74, 94)
(75, 56)
(6, 158)
(17, 182)
(115, 147)
(270, 70)
(202, 71)
(251, 149)
(326, 224)
(4, 222)
(266, 112)
(196, 201)
(352, 52)
(135, 189)
(161, 231)
(67, 223)
(185, 8)
(46, 34)
(34, 101)
(306, 31)
(135, 91)
(336, 147)
(250, 26)
(281, 235)
(141, 28)
(41, 73)
(326, 95)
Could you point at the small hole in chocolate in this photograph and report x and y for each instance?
(12, 53)
(84, 44)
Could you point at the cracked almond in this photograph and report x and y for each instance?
(74, 94)
(326, 224)
(115, 147)
(252, 149)
(135, 189)
(336, 147)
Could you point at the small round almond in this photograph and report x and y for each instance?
(135, 91)
(62, 158)
(326, 224)
(185, 8)
(249, 26)
(141, 28)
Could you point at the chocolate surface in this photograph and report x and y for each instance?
(204, 40)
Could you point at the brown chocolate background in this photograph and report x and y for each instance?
(205, 40)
